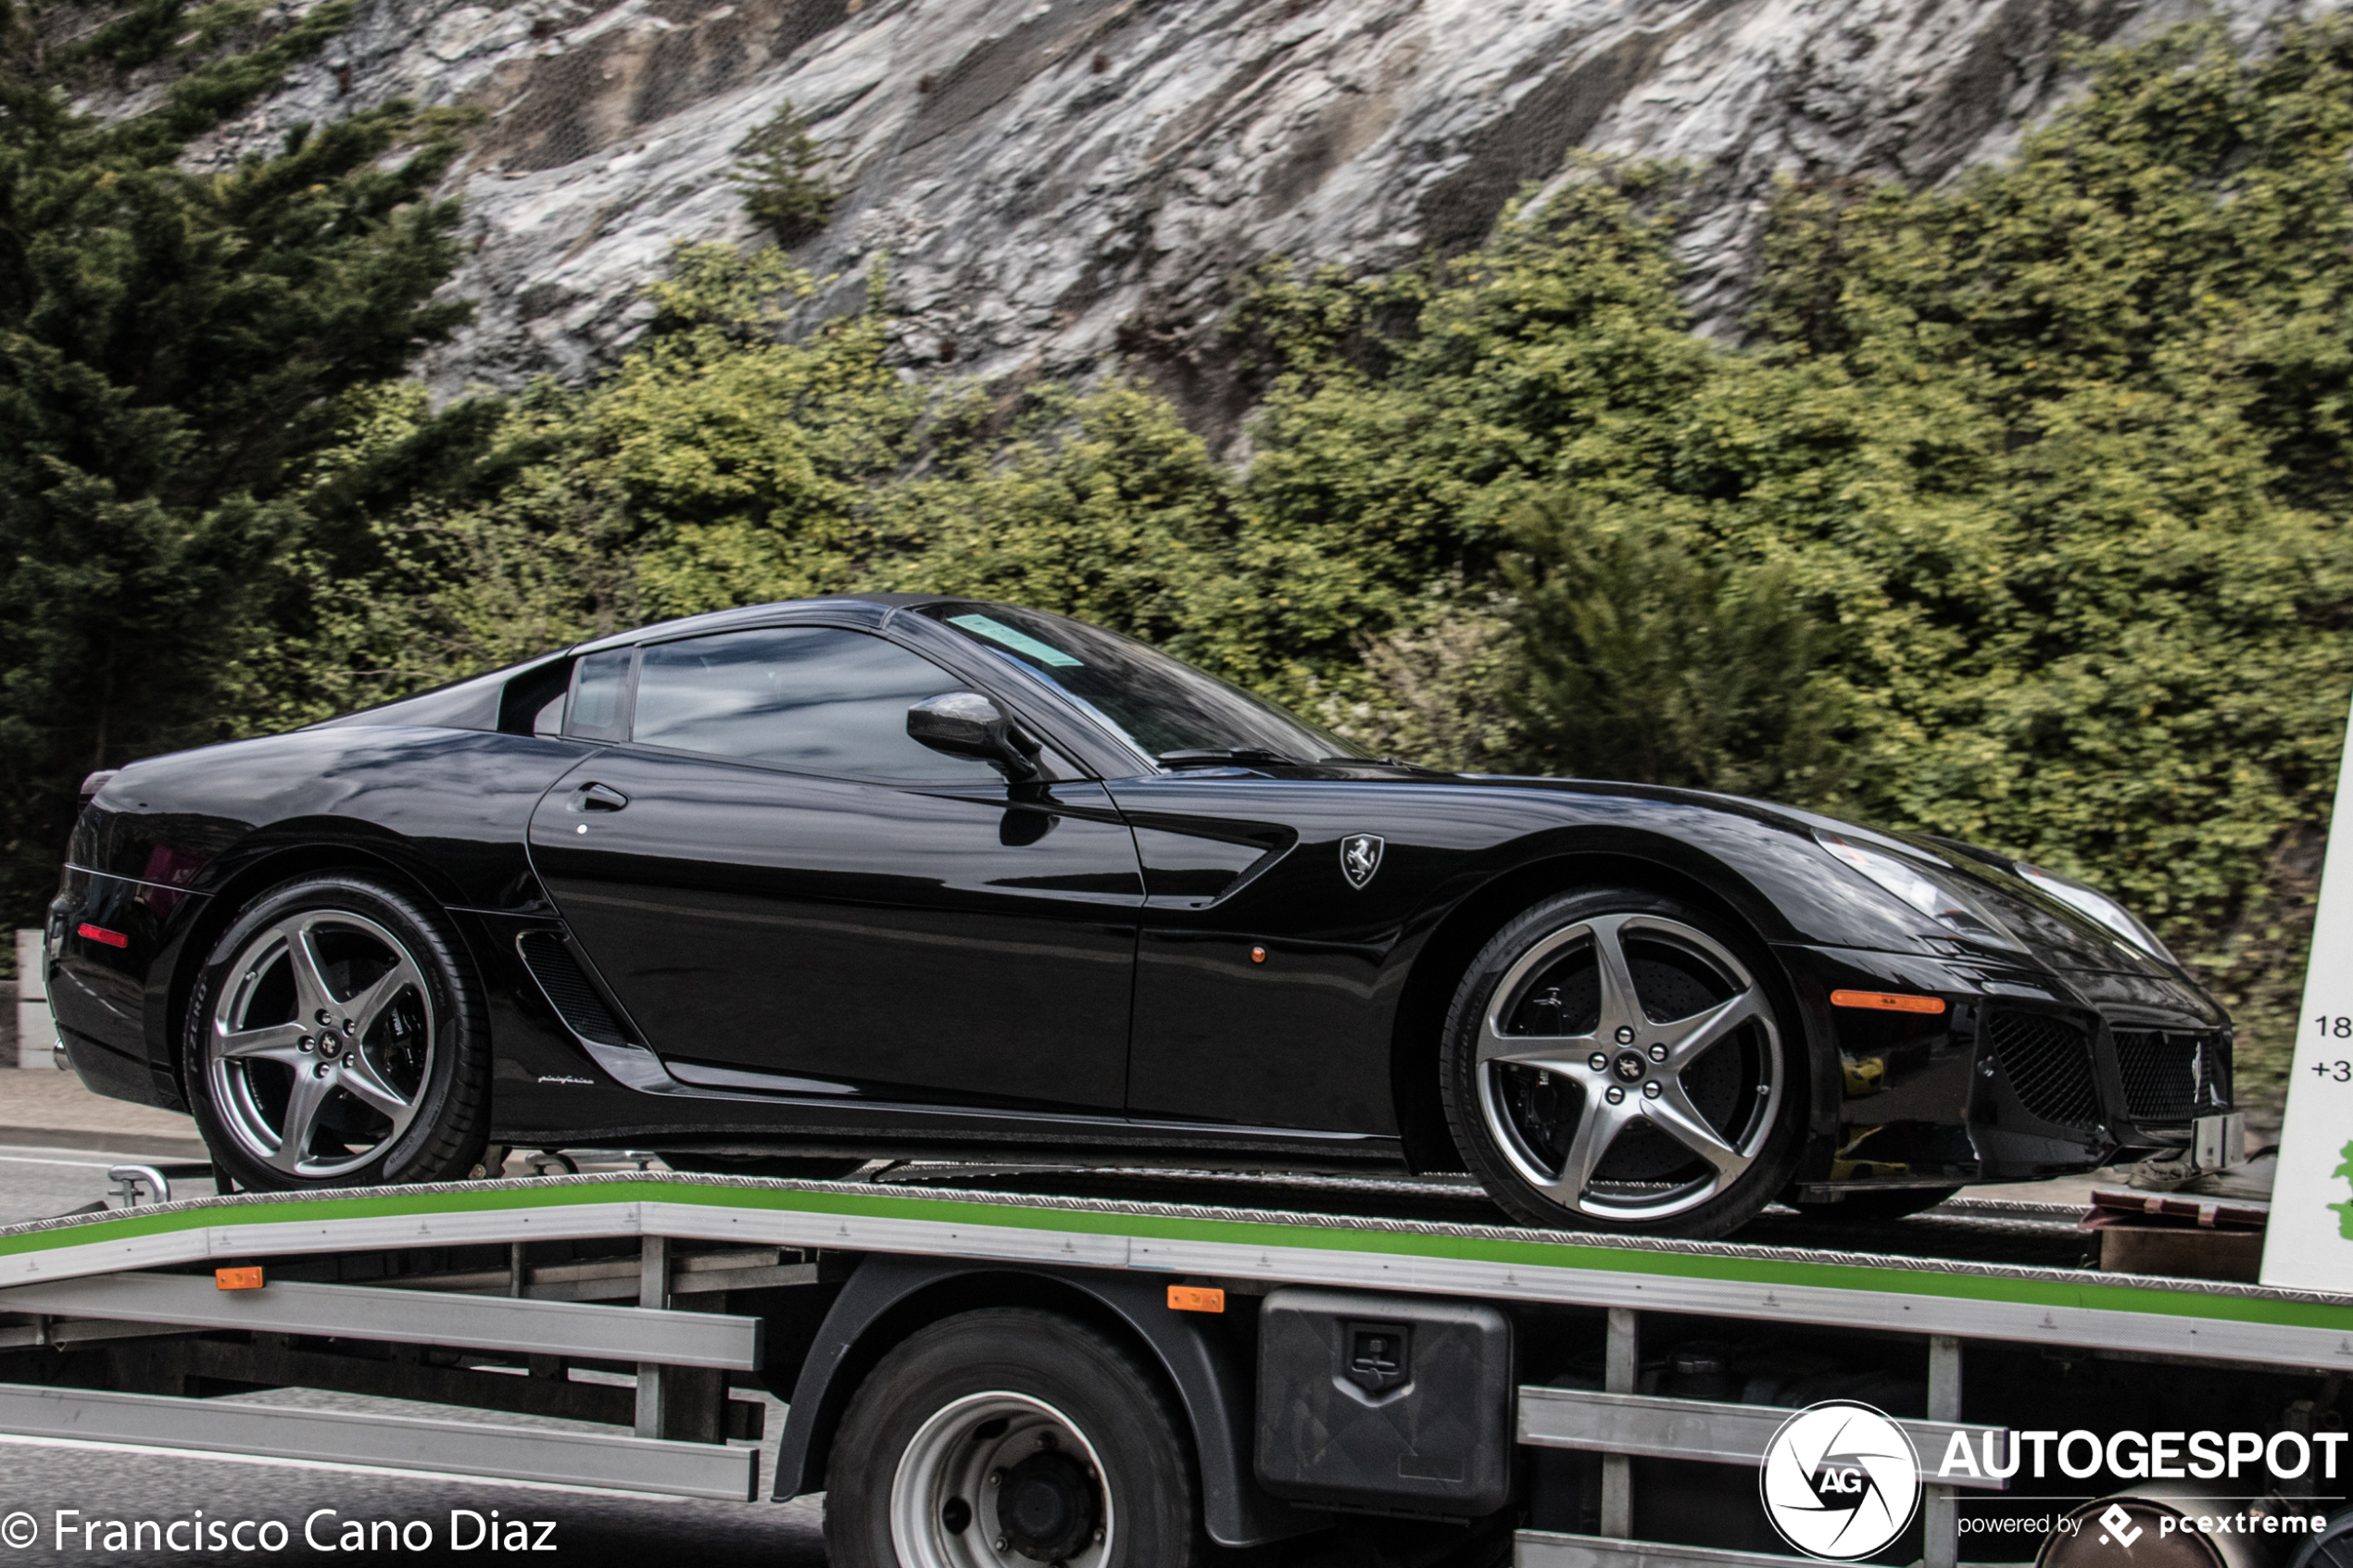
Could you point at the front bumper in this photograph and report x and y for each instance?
(2026, 1073)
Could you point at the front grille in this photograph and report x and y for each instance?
(2172, 1076)
(2049, 1064)
(568, 989)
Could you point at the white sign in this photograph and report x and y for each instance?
(2308, 1244)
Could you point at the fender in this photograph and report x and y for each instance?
(1215, 1389)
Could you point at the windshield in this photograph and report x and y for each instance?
(1162, 707)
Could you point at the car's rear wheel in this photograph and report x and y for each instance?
(336, 1038)
(1615, 1060)
(1006, 1437)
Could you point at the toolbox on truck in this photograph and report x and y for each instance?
(1384, 1401)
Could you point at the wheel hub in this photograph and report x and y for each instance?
(1000, 1479)
(1046, 1507)
(1628, 1067)
(320, 1043)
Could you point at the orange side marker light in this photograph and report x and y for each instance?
(1196, 1298)
(1886, 1001)
(236, 1279)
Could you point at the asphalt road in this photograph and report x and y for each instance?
(36, 1183)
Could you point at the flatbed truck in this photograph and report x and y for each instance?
(1262, 1360)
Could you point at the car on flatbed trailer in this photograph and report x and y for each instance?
(1004, 1368)
(786, 888)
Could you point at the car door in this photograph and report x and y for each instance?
(776, 881)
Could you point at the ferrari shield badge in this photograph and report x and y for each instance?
(1360, 856)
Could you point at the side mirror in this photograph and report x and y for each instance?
(968, 724)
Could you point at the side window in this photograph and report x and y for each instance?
(599, 685)
(813, 698)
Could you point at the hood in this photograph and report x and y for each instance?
(2054, 935)
(2065, 937)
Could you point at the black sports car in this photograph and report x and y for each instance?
(786, 888)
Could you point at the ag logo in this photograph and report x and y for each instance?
(1360, 856)
(1840, 1481)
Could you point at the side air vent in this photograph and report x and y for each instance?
(2049, 1063)
(2172, 1076)
(575, 1000)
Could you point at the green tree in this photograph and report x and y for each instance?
(1649, 662)
(1414, 416)
(174, 349)
(777, 169)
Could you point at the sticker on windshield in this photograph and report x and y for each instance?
(1020, 642)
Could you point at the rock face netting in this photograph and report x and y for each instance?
(1056, 180)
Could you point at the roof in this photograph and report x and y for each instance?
(754, 615)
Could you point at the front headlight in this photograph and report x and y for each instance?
(1930, 897)
(2100, 906)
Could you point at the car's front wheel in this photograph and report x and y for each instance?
(1007, 1438)
(336, 1038)
(1615, 1060)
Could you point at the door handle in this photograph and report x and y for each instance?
(601, 797)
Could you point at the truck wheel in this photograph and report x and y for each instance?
(1007, 1438)
(336, 1038)
(1617, 1060)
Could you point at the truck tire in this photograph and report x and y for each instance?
(1009, 1437)
(1617, 1060)
(335, 1037)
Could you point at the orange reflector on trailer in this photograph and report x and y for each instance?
(236, 1279)
(1886, 1001)
(100, 934)
(1195, 1298)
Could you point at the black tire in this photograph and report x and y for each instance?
(426, 1043)
(907, 1415)
(1875, 1203)
(784, 1167)
(1548, 1143)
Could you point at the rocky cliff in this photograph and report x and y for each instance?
(1056, 182)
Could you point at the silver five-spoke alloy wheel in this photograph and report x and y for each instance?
(322, 1043)
(997, 1479)
(1629, 1068)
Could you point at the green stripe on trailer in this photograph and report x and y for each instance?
(1979, 1300)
